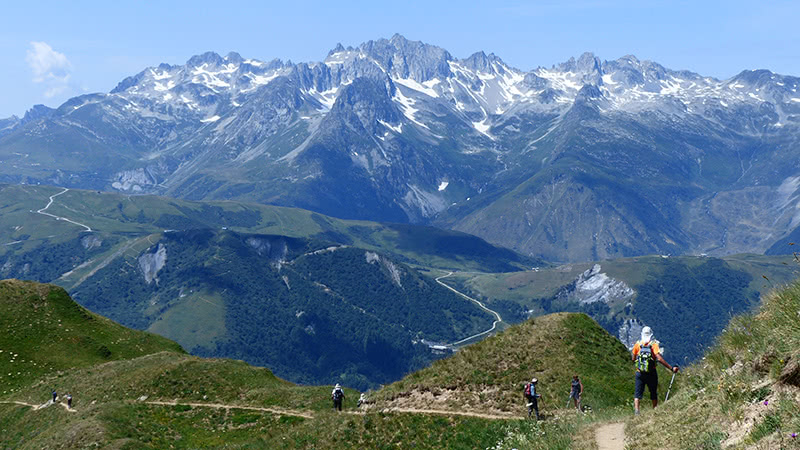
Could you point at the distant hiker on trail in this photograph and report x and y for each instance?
(69, 400)
(532, 398)
(576, 392)
(55, 395)
(362, 400)
(646, 354)
(337, 395)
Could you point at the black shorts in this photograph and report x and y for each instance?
(646, 378)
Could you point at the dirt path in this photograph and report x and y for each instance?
(498, 319)
(38, 407)
(611, 436)
(279, 411)
(294, 412)
(310, 415)
(442, 412)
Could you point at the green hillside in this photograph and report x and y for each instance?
(45, 249)
(744, 394)
(309, 322)
(42, 331)
(168, 399)
(688, 300)
(488, 377)
(312, 312)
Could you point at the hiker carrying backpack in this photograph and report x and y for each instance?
(576, 391)
(338, 396)
(645, 354)
(532, 398)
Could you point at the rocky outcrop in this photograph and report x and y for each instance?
(391, 268)
(152, 263)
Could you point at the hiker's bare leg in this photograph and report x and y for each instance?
(636, 404)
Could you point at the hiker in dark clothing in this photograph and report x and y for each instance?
(69, 400)
(576, 392)
(338, 396)
(646, 354)
(55, 395)
(532, 398)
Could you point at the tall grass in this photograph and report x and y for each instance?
(742, 393)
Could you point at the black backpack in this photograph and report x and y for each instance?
(338, 394)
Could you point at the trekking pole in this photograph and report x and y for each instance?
(670, 385)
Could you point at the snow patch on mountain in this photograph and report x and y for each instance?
(426, 88)
(327, 97)
(407, 105)
(483, 127)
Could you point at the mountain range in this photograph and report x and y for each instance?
(585, 160)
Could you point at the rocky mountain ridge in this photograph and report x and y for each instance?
(581, 161)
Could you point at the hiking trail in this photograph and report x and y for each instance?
(310, 415)
(279, 411)
(610, 436)
(498, 319)
(38, 407)
(442, 412)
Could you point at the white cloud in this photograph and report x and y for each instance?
(49, 67)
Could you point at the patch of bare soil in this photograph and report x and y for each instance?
(611, 436)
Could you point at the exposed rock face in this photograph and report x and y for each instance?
(394, 271)
(274, 249)
(151, 263)
(595, 286)
(91, 241)
(630, 332)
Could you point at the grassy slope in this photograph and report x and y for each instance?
(43, 331)
(50, 342)
(139, 216)
(489, 376)
(109, 412)
(746, 391)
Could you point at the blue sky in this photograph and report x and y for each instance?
(54, 50)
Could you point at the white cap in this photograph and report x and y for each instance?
(534, 380)
(647, 334)
(338, 386)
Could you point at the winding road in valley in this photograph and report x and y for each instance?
(498, 319)
(50, 203)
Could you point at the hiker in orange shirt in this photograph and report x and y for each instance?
(646, 354)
